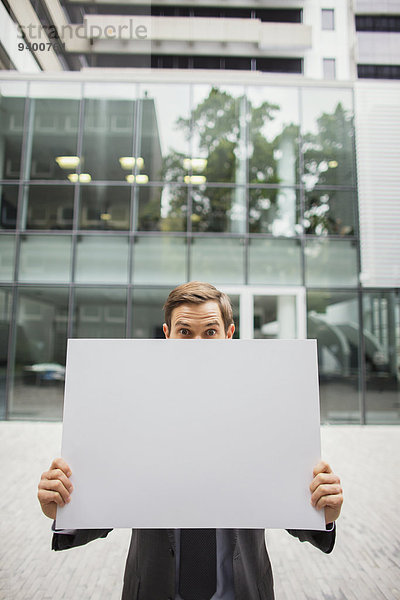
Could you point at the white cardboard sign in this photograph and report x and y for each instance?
(191, 433)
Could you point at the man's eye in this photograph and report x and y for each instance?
(211, 332)
(183, 331)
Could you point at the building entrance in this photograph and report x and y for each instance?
(268, 312)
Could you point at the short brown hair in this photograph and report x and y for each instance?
(197, 292)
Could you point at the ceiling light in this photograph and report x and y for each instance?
(194, 164)
(138, 178)
(83, 177)
(196, 179)
(67, 162)
(128, 162)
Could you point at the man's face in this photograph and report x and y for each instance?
(198, 322)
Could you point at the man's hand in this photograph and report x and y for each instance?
(55, 488)
(326, 491)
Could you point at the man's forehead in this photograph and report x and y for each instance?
(207, 311)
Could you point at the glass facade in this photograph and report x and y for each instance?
(113, 193)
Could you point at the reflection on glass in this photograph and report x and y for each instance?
(329, 212)
(7, 256)
(8, 206)
(161, 208)
(332, 319)
(45, 259)
(102, 259)
(164, 142)
(105, 207)
(381, 317)
(327, 137)
(48, 207)
(41, 342)
(218, 209)
(217, 260)
(275, 317)
(159, 260)
(55, 135)
(274, 211)
(275, 261)
(100, 313)
(217, 128)
(147, 312)
(107, 137)
(11, 131)
(5, 315)
(331, 263)
(273, 135)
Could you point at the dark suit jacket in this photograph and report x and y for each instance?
(150, 565)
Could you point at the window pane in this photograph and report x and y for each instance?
(105, 207)
(273, 135)
(218, 209)
(381, 315)
(333, 320)
(41, 341)
(275, 262)
(218, 135)
(159, 260)
(217, 260)
(5, 316)
(275, 317)
(331, 263)
(329, 68)
(107, 138)
(164, 143)
(8, 206)
(102, 259)
(55, 137)
(12, 110)
(49, 206)
(147, 312)
(330, 212)
(45, 259)
(328, 19)
(274, 211)
(162, 208)
(7, 256)
(327, 137)
(100, 313)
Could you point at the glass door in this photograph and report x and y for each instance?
(268, 313)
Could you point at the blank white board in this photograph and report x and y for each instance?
(191, 433)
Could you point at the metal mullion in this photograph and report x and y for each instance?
(246, 237)
(301, 189)
(189, 197)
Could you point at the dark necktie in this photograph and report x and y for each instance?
(198, 564)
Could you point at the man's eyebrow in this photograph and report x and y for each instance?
(182, 324)
(213, 323)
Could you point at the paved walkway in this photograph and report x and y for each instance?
(365, 564)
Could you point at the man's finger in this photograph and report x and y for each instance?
(59, 463)
(335, 502)
(58, 474)
(323, 479)
(47, 497)
(55, 485)
(328, 491)
(322, 467)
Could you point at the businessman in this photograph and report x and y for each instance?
(196, 564)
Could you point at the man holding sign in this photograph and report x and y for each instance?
(196, 564)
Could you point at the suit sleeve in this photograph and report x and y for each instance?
(323, 540)
(64, 541)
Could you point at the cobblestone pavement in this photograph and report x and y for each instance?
(365, 564)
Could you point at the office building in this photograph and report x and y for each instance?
(243, 144)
